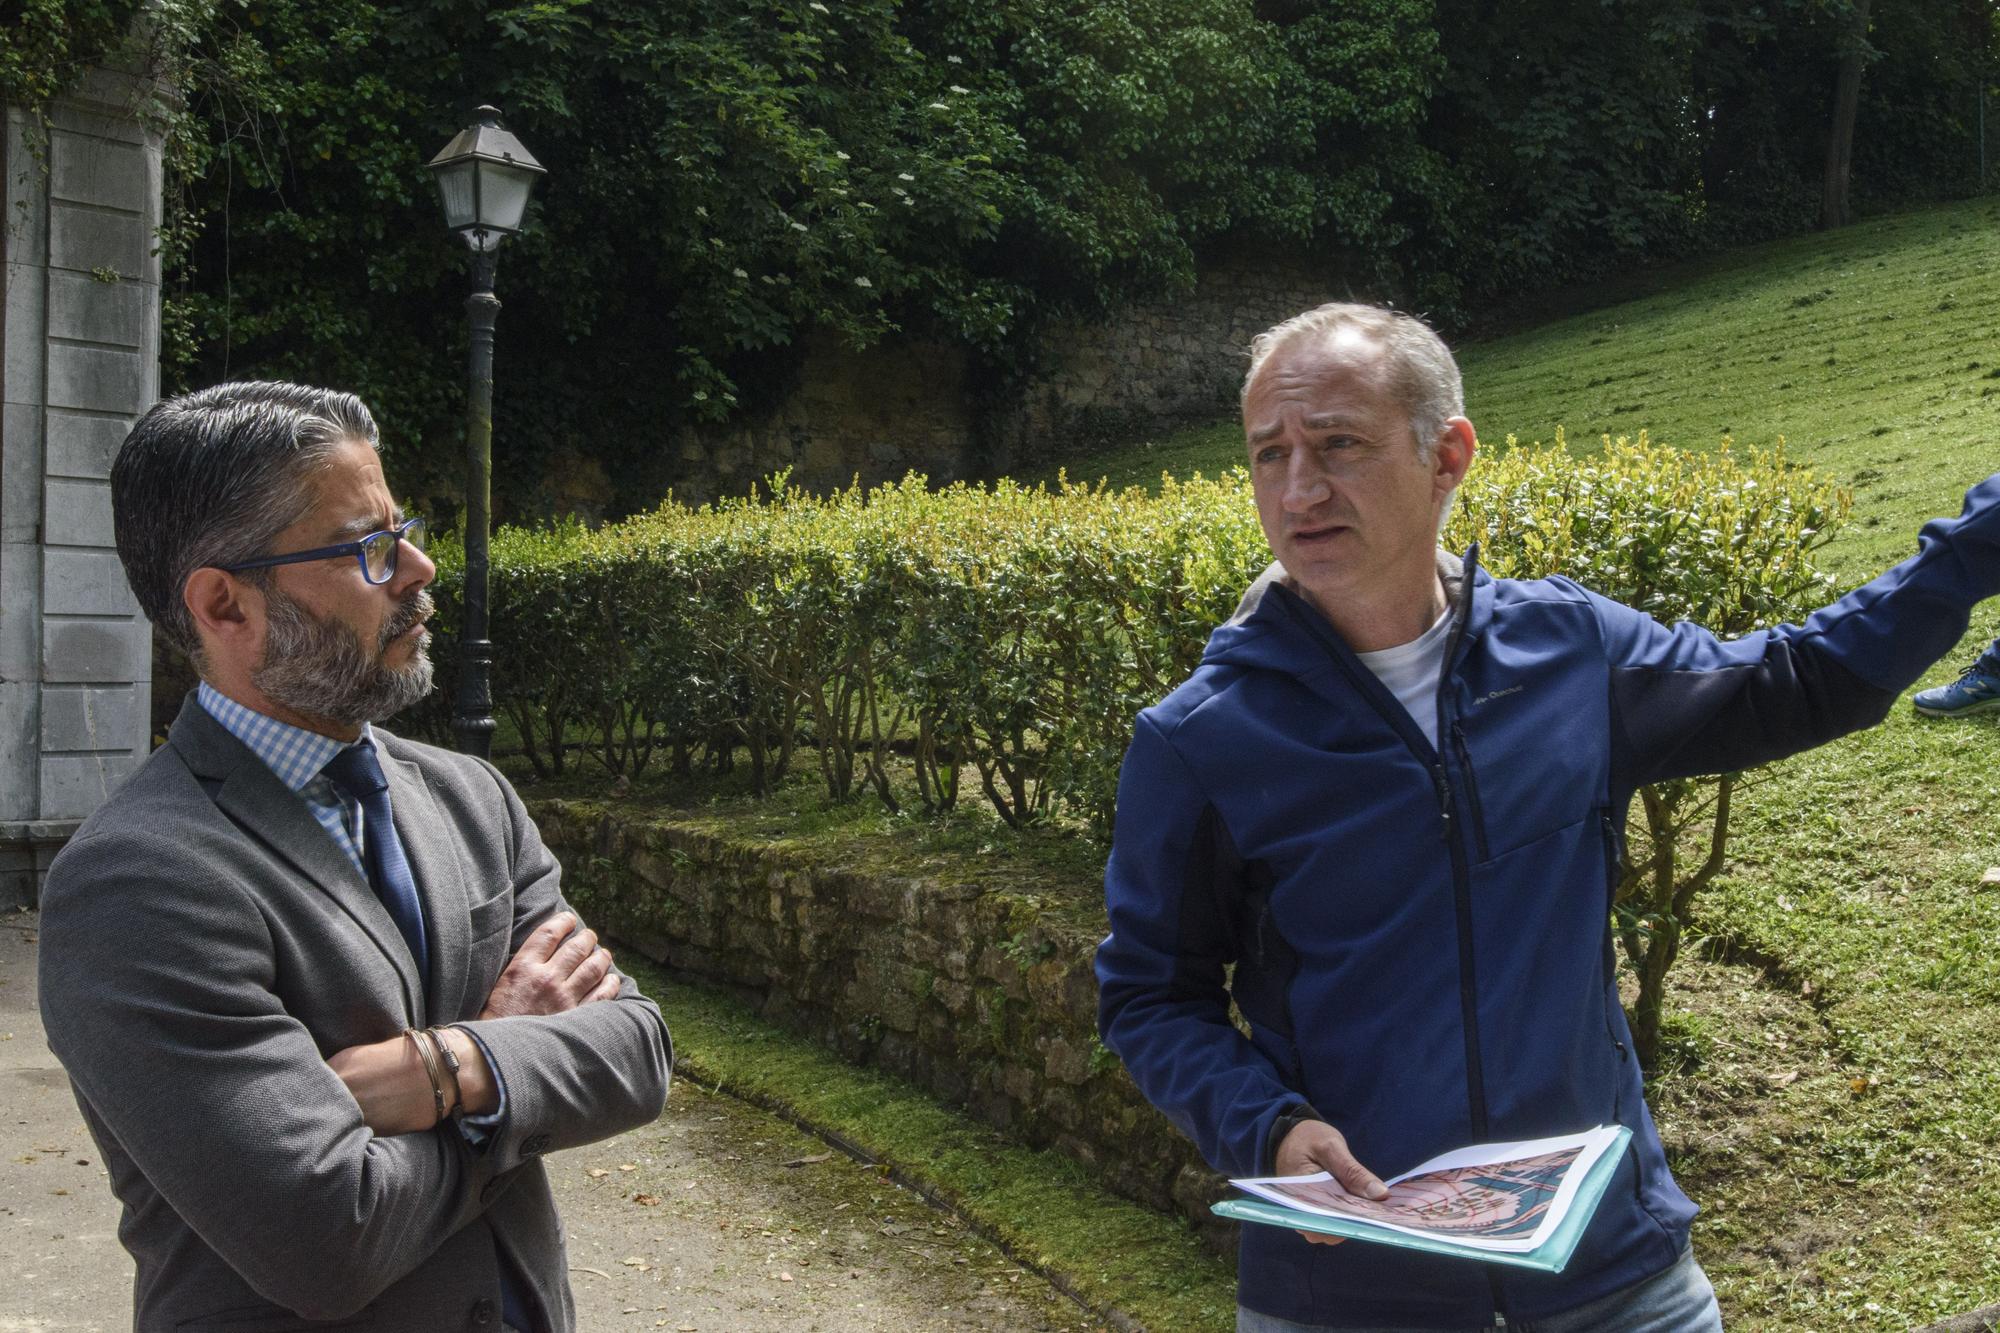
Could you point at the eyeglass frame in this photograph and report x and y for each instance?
(357, 548)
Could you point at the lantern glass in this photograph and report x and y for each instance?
(459, 192)
(503, 195)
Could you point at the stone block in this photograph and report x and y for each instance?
(73, 785)
(87, 310)
(93, 719)
(79, 582)
(84, 169)
(20, 611)
(1019, 1085)
(100, 107)
(999, 967)
(83, 240)
(657, 871)
(97, 651)
(26, 330)
(77, 513)
(20, 472)
(1047, 979)
(955, 996)
(823, 455)
(98, 379)
(1064, 1062)
(20, 748)
(23, 201)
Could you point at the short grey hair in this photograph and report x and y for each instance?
(211, 478)
(1423, 376)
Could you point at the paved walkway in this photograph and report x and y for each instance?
(714, 1218)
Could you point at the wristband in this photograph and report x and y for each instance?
(449, 1058)
(427, 1052)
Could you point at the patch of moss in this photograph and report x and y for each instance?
(1046, 878)
(1110, 1254)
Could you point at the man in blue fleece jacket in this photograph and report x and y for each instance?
(1391, 796)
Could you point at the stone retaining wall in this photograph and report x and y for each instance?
(907, 406)
(980, 995)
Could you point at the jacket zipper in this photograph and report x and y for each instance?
(1612, 860)
(1475, 1075)
(1461, 877)
(1461, 883)
(1471, 788)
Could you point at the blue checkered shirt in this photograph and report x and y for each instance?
(297, 758)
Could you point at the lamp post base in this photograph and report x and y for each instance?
(473, 720)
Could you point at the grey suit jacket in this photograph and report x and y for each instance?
(205, 946)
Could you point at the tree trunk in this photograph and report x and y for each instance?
(1833, 205)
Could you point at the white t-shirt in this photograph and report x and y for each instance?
(1410, 670)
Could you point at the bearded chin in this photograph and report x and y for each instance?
(319, 668)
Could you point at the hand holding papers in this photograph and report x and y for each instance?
(1516, 1203)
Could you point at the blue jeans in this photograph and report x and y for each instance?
(1676, 1300)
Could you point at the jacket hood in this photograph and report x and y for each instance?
(1262, 633)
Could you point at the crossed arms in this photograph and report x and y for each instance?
(193, 1011)
(559, 968)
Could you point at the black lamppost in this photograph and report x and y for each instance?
(484, 175)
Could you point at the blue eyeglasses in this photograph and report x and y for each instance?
(376, 552)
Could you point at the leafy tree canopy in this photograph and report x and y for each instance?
(731, 178)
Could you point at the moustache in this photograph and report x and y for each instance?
(414, 612)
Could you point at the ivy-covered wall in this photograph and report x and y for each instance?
(983, 995)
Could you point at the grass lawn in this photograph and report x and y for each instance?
(1835, 1106)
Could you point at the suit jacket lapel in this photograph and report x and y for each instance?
(440, 885)
(246, 790)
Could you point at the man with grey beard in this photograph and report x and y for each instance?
(316, 986)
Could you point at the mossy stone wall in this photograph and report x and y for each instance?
(983, 996)
(903, 405)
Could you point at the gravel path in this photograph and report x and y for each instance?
(716, 1218)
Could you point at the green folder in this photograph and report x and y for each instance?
(1548, 1257)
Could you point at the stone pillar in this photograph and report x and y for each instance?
(80, 327)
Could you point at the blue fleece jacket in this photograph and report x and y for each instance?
(1420, 933)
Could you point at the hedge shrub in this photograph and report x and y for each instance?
(1014, 631)
(1011, 634)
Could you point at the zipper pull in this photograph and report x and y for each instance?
(1499, 1322)
(1443, 787)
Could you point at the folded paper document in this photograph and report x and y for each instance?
(1524, 1204)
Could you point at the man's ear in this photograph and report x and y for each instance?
(228, 613)
(1456, 445)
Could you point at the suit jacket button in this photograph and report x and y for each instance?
(482, 1314)
(533, 1144)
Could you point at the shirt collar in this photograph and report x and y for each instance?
(293, 754)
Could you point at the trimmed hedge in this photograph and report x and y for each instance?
(1010, 634)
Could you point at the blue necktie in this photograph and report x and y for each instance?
(357, 773)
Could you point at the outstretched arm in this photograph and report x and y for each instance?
(1685, 702)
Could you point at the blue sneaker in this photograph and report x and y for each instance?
(1977, 690)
